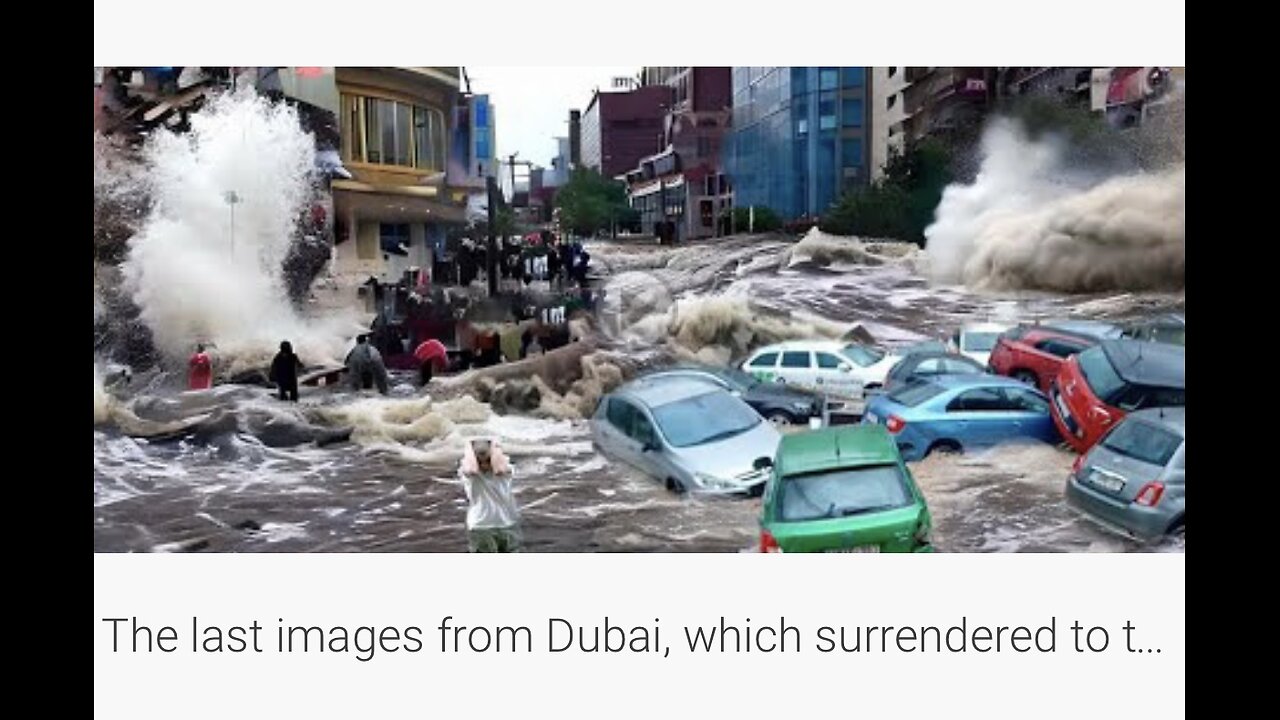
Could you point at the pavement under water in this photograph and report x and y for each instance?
(393, 488)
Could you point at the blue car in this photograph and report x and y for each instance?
(953, 413)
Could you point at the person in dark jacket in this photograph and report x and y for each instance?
(284, 372)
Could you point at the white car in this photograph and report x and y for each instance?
(975, 341)
(842, 369)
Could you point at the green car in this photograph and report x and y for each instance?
(843, 489)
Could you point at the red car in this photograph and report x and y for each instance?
(1098, 387)
(1035, 353)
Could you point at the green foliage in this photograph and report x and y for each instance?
(589, 202)
(900, 205)
(766, 220)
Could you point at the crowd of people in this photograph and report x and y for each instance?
(536, 257)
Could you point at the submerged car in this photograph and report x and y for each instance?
(976, 341)
(837, 368)
(843, 489)
(1134, 479)
(1171, 328)
(690, 434)
(1095, 389)
(954, 413)
(922, 366)
(1034, 354)
(779, 404)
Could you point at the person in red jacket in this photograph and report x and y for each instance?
(201, 376)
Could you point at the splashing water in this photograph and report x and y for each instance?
(206, 266)
(1027, 223)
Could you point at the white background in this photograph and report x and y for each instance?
(526, 589)
(809, 591)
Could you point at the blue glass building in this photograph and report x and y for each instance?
(799, 136)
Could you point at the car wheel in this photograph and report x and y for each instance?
(780, 419)
(944, 447)
(675, 486)
(1026, 376)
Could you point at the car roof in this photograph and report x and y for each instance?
(827, 345)
(658, 391)
(1095, 329)
(1171, 417)
(1050, 330)
(835, 447)
(951, 382)
(1148, 363)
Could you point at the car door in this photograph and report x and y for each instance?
(834, 375)
(1030, 413)
(616, 431)
(763, 366)
(978, 416)
(795, 367)
(643, 434)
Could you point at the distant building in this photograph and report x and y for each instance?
(799, 137)
(683, 184)
(619, 128)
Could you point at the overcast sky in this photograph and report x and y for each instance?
(532, 104)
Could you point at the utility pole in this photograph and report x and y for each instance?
(495, 196)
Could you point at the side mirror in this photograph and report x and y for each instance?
(762, 463)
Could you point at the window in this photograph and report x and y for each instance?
(842, 493)
(1059, 348)
(387, 132)
(977, 400)
(960, 367)
(851, 112)
(828, 78)
(827, 112)
(619, 414)
(827, 361)
(1026, 401)
(862, 355)
(1098, 373)
(932, 366)
(854, 77)
(766, 360)
(913, 395)
(705, 418)
(795, 359)
(1143, 441)
(851, 152)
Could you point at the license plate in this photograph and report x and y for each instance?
(859, 549)
(871, 417)
(1106, 482)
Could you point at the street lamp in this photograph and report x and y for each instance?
(232, 200)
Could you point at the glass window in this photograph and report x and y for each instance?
(373, 110)
(913, 395)
(827, 112)
(828, 79)
(795, 359)
(827, 361)
(851, 152)
(980, 341)
(482, 114)
(843, 493)
(854, 77)
(977, 400)
(1022, 400)
(863, 355)
(352, 134)
(404, 120)
(851, 112)
(1143, 441)
(932, 366)
(957, 366)
(765, 360)
(705, 418)
(619, 414)
(1103, 380)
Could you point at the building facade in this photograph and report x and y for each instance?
(682, 190)
(888, 111)
(620, 128)
(799, 137)
(392, 213)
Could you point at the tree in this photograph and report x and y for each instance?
(899, 205)
(589, 202)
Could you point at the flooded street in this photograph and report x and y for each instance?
(393, 488)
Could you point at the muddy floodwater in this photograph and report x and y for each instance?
(393, 487)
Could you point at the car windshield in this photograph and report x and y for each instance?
(742, 380)
(704, 418)
(1103, 379)
(980, 341)
(843, 493)
(1143, 441)
(863, 355)
(915, 393)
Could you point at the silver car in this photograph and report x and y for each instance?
(689, 433)
(1134, 478)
